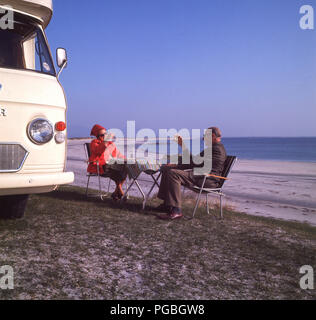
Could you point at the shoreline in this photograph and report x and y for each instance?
(280, 189)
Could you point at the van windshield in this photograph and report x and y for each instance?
(23, 46)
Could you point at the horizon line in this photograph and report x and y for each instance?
(229, 137)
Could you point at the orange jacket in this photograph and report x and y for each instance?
(102, 152)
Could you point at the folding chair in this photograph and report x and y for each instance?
(229, 163)
(89, 175)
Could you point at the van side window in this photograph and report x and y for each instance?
(36, 54)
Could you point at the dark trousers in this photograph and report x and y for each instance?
(171, 181)
(118, 175)
(170, 185)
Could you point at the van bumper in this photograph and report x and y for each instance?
(13, 183)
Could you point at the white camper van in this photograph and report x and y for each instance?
(32, 107)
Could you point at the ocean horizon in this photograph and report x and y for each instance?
(278, 148)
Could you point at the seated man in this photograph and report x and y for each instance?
(102, 151)
(174, 176)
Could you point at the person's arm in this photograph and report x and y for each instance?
(116, 152)
(187, 156)
(97, 148)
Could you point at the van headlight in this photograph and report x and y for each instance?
(40, 131)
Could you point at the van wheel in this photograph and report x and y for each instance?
(13, 207)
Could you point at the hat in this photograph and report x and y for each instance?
(96, 129)
(216, 131)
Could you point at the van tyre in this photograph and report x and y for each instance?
(13, 207)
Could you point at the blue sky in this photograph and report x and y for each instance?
(242, 65)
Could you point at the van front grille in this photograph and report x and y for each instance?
(12, 157)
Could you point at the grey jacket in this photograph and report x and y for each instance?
(217, 162)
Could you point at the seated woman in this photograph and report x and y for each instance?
(102, 151)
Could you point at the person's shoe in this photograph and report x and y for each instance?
(120, 196)
(115, 197)
(174, 214)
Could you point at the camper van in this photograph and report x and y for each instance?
(33, 130)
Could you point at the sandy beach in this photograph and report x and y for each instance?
(279, 189)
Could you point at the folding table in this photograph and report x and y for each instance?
(134, 171)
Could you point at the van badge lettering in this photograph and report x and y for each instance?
(3, 112)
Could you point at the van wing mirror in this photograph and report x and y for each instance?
(61, 56)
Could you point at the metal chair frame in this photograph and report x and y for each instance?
(229, 163)
(89, 175)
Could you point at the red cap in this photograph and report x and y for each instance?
(96, 129)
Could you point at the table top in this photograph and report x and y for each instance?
(136, 168)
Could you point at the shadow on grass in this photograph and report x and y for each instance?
(133, 205)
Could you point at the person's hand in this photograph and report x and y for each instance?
(180, 141)
(110, 136)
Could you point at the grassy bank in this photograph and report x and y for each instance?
(71, 247)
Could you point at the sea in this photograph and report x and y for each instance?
(278, 149)
(283, 149)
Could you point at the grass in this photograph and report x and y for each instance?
(71, 247)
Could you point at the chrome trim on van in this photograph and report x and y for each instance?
(18, 156)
